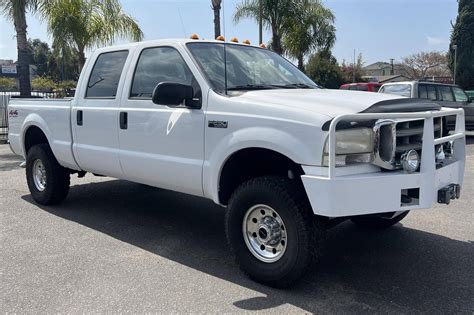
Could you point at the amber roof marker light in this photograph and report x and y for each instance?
(194, 36)
(234, 40)
(262, 46)
(221, 38)
(246, 42)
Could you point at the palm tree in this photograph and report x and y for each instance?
(216, 7)
(83, 24)
(15, 10)
(312, 28)
(274, 17)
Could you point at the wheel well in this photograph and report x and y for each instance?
(34, 136)
(254, 162)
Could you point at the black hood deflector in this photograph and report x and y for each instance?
(403, 106)
(408, 105)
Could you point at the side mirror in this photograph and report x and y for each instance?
(170, 93)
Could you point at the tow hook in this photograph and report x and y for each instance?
(451, 191)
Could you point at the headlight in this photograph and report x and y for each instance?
(350, 141)
(352, 146)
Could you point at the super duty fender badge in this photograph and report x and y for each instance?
(13, 113)
(217, 124)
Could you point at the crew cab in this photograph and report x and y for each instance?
(242, 126)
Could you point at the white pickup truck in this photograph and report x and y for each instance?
(245, 128)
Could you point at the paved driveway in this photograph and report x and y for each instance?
(117, 246)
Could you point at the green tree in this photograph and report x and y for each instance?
(311, 29)
(40, 56)
(353, 72)
(216, 7)
(463, 37)
(323, 69)
(275, 17)
(15, 10)
(83, 24)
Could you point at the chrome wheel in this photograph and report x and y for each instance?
(264, 233)
(39, 175)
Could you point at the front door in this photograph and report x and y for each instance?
(161, 145)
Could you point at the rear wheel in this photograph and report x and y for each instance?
(47, 180)
(272, 230)
(379, 221)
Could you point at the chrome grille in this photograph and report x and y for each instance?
(393, 138)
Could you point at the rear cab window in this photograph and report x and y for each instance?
(105, 75)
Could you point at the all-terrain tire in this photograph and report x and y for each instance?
(57, 180)
(305, 234)
(377, 221)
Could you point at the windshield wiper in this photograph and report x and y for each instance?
(251, 87)
(297, 86)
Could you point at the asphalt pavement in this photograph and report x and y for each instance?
(116, 246)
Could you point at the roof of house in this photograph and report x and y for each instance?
(377, 66)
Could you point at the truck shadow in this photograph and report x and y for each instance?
(396, 270)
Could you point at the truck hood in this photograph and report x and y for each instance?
(330, 103)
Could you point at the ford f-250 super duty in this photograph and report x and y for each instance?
(244, 127)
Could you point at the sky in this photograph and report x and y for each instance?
(378, 29)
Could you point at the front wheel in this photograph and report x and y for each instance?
(272, 230)
(379, 221)
(47, 180)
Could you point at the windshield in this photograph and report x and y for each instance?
(397, 89)
(248, 68)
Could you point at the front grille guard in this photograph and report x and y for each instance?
(428, 162)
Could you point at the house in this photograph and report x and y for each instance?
(386, 78)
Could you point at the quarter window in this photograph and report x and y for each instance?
(105, 75)
(156, 65)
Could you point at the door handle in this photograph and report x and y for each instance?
(79, 118)
(123, 120)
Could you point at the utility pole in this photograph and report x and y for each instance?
(392, 71)
(455, 47)
(354, 68)
(260, 23)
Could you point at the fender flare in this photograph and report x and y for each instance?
(253, 137)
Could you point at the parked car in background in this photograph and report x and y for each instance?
(446, 95)
(368, 87)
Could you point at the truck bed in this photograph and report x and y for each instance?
(53, 116)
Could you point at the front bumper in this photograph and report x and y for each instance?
(338, 193)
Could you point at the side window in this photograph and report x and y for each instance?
(363, 87)
(156, 65)
(422, 91)
(431, 91)
(105, 75)
(460, 95)
(445, 93)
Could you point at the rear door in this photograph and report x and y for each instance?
(95, 115)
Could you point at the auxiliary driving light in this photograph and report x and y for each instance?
(410, 161)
